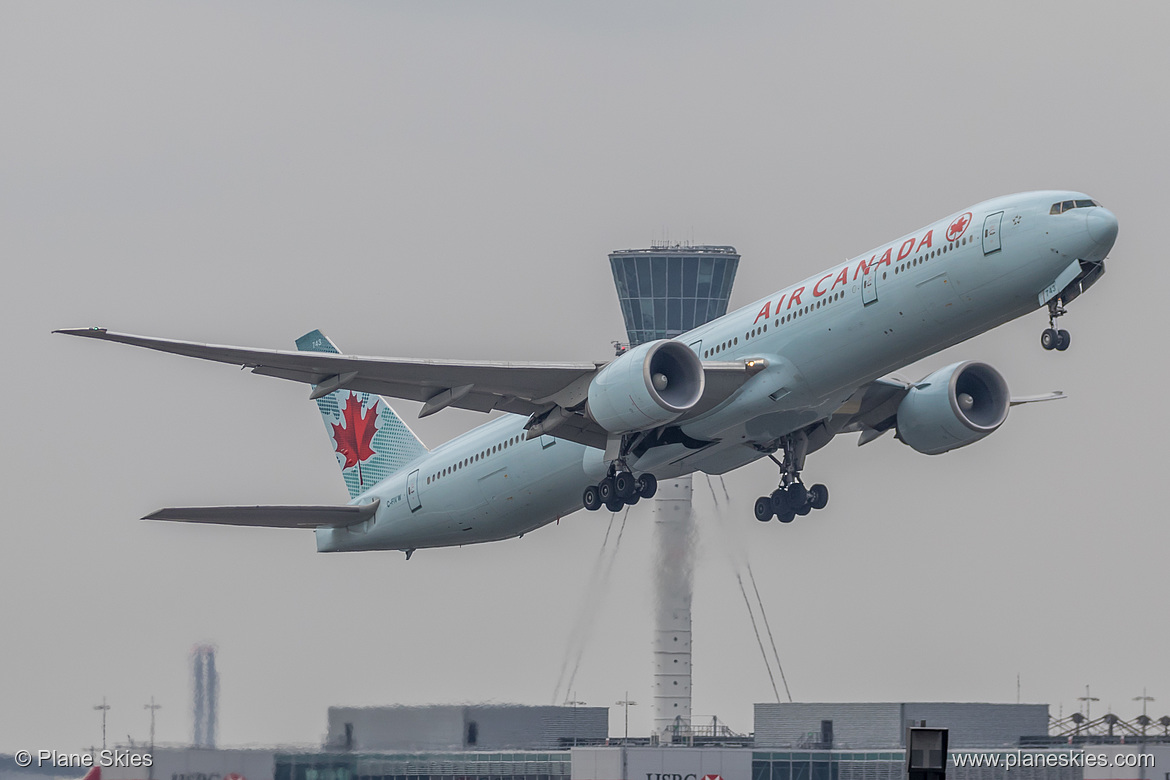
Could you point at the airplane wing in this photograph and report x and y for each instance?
(534, 389)
(1055, 395)
(482, 386)
(873, 408)
(269, 516)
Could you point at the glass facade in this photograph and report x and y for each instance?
(423, 766)
(556, 765)
(665, 291)
(887, 765)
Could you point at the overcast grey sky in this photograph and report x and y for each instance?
(445, 180)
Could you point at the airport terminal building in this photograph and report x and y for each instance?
(797, 741)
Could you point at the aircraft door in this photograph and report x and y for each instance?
(412, 497)
(869, 287)
(698, 347)
(991, 227)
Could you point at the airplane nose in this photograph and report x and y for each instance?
(1102, 226)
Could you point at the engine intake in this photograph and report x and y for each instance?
(651, 385)
(953, 407)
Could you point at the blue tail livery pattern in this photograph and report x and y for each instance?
(370, 440)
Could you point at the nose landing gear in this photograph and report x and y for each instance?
(791, 497)
(1052, 338)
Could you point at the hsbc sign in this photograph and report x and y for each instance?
(658, 763)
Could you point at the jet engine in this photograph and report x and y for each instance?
(651, 385)
(953, 407)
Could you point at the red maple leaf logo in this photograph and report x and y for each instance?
(353, 441)
(958, 227)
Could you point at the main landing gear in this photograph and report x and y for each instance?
(619, 489)
(1052, 338)
(791, 498)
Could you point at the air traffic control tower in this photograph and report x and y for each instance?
(665, 291)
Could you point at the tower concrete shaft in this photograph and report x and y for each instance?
(674, 531)
(665, 291)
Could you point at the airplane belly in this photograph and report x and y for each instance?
(495, 488)
(544, 493)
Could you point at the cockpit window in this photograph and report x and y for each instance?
(1069, 205)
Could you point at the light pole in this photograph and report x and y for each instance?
(627, 704)
(104, 708)
(1144, 699)
(1088, 700)
(574, 704)
(152, 707)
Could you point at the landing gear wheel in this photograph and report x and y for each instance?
(614, 505)
(797, 495)
(1063, 339)
(792, 498)
(591, 498)
(605, 490)
(763, 509)
(647, 485)
(1049, 339)
(779, 502)
(818, 496)
(624, 485)
(633, 499)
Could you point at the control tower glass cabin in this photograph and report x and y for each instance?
(669, 289)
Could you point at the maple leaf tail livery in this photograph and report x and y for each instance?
(370, 440)
(778, 378)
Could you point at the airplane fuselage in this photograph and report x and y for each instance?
(822, 339)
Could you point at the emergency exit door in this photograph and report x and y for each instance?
(991, 227)
(869, 287)
(412, 491)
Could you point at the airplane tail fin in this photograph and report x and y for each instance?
(370, 440)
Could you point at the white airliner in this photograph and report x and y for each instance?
(778, 378)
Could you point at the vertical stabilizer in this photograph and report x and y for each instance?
(370, 440)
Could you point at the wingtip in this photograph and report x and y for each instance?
(90, 332)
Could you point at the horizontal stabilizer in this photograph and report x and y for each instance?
(269, 516)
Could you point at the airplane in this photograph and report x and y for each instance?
(778, 378)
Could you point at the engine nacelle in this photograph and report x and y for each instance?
(953, 407)
(651, 385)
